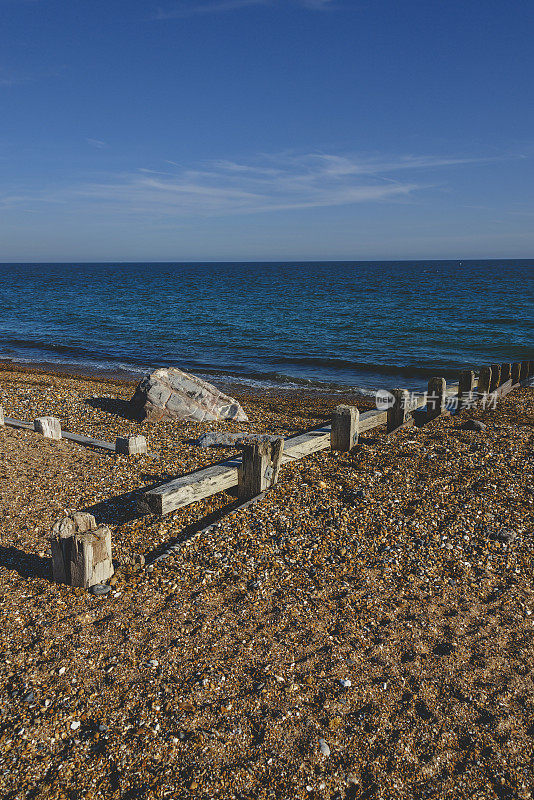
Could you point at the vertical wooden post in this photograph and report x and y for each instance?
(130, 445)
(259, 471)
(398, 411)
(465, 388)
(506, 372)
(48, 426)
(484, 380)
(81, 552)
(344, 431)
(435, 398)
(516, 371)
(495, 377)
(523, 373)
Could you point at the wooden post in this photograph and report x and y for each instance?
(81, 552)
(484, 380)
(48, 426)
(435, 398)
(344, 430)
(516, 371)
(1, 415)
(465, 389)
(131, 445)
(523, 371)
(495, 377)
(506, 372)
(259, 471)
(398, 411)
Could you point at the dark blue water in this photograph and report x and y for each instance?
(326, 324)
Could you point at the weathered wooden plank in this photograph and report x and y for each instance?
(465, 388)
(202, 483)
(344, 428)
(15, 423)
(81, 551)
(436, 396)
(506, 372)
(131, 445)
(398, 410)
(220, 477)
(190, 488)
(49, 427)
(259, 468)
(495, 377)
(503, 389)
(484, 380)
(73, 437)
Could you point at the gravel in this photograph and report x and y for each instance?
(437, 642)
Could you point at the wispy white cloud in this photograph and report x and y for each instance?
(188, 8)
(97, 143)
(268, 183)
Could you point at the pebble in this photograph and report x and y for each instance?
(316, 554)
(100, 589)
(474, 425)
(345, 684)
(323, 747)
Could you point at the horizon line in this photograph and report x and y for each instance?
(273, 261)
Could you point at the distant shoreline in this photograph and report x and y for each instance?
(234, 388)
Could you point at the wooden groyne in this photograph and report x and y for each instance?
(342, 434)
(50, 428)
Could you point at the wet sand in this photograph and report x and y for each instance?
(365, 631)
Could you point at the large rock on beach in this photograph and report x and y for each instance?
(173, 393)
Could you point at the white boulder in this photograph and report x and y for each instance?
(170, 392)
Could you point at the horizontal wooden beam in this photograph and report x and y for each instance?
(223, 476)
(73, 437)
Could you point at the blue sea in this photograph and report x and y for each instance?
(321, 325)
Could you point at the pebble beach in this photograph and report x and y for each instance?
(364, 631)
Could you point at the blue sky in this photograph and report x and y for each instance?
(266, 129)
